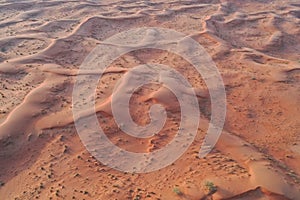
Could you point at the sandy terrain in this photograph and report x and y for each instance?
(255, 45)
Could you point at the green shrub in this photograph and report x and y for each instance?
(177, 191)
(210, 186)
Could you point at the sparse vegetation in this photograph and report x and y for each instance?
(177, 191)
(210, 186)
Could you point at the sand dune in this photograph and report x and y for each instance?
(255, 45)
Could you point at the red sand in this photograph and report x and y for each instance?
(255, 45)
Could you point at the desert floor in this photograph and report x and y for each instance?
(254, 43)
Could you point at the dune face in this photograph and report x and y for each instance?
(253, 43)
